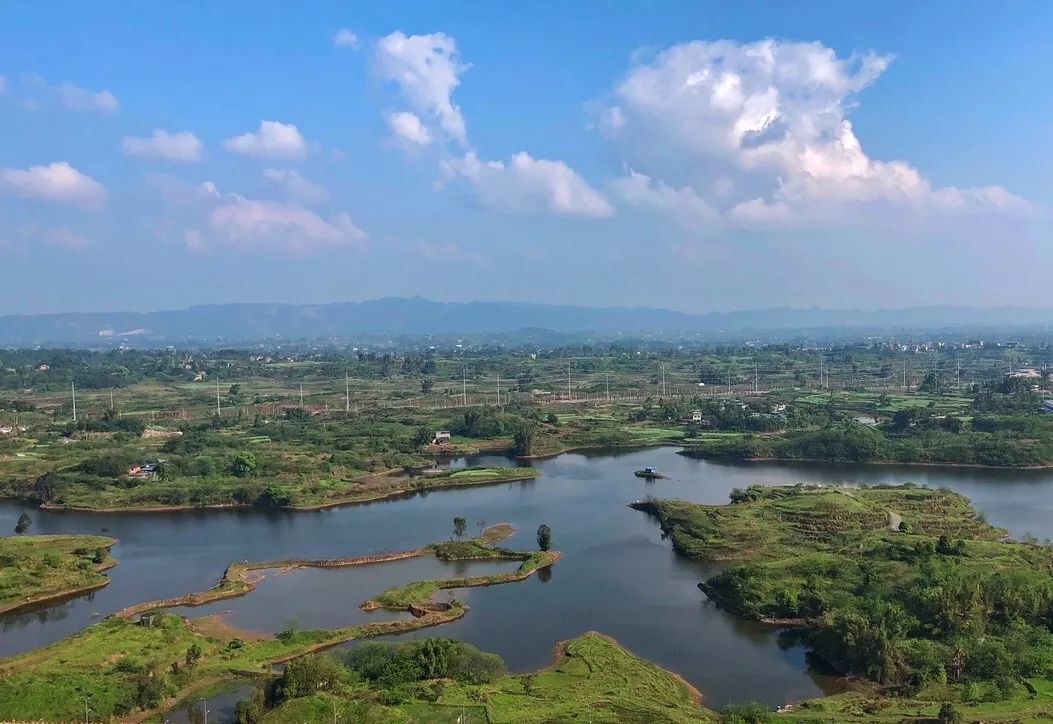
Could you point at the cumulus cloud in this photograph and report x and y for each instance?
(642, 191)
(426, 69)
(766, 122)
(271, 140)
(58, 182)
(250, 223)
(296, 186)
(529, 185)
(406, 127)
(82, 99)
(345, 38)
(179, 146)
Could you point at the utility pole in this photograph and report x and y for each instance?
(499, 390)
(73, 389)
(608, 385)
(820, 374)
(111, 399)
(663, 381)
(217, 397)
(568, 380)
(464, 386)
(756, 378)
(301, 394)
(347, 393)
(958, 372)
(729, 383)
(904, 374)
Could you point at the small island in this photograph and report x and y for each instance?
(37, 568)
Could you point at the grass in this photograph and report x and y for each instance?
(107, 662)
(37, 567)
(865, 705)
(825, 558)
(780, 522)
(593, 679)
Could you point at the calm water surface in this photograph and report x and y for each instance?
(617, 576)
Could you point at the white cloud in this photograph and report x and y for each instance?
(296, 186)
(426, 69)
(766, 123)
(529, 185)
(179, 146)
(642, 191)
(345, 38)
(82, 99)
(249, 223)
(407, 127)
(57, 181)
(271, 140)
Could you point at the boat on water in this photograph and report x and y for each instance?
(650, 473)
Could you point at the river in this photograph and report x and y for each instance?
(617, 575)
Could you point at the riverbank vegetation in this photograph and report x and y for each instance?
(438, 680)
(307, 428)
(904, 586)
(993, 428)
(142, 657)
(35, 568)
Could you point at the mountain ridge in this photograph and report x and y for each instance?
(417, 316)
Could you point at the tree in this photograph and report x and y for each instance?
(459, 525)
(523, 438)
(193, 654)
(307, 675)
(949, 714)
(426, 385)
(544, 537)
(274, 496)
(242, 464)
(23, 524)
(422, 436)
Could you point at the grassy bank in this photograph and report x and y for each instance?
(123, 665)
(902, 586)
(35, 568)
(591, 679)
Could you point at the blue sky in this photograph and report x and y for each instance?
(698, 156)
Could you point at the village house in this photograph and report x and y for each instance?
(441, 436)
(143, 470)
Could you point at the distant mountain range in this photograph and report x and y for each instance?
(399, 317)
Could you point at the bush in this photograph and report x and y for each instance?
(749, 713)
(473, 666)
(949, 714)
(308, 675)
